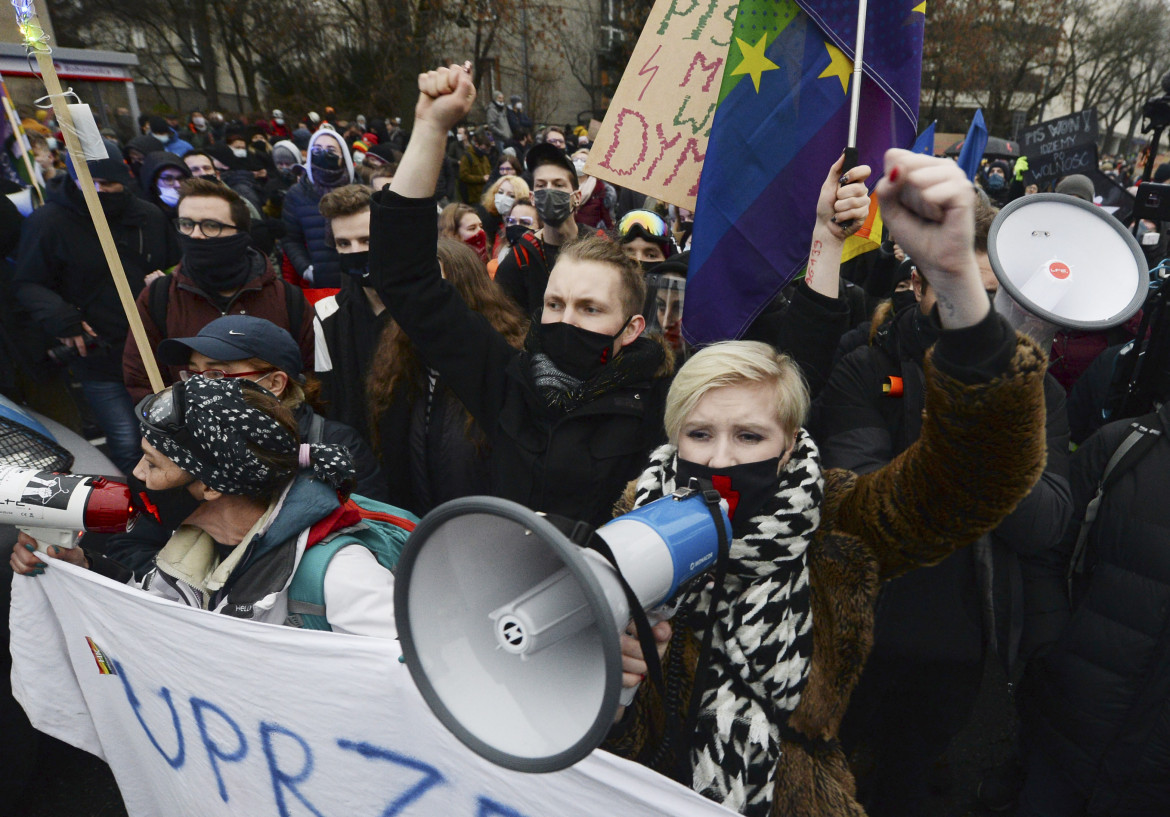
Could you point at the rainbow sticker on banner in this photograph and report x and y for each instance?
(105, 667)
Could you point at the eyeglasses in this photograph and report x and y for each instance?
(170, 179)
(527, 221)
(218, 374)
(646, 221)
(208, 226)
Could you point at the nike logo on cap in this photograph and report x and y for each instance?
(234, 332)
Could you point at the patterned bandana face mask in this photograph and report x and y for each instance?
(208, 429)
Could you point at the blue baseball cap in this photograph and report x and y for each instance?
(238, 337)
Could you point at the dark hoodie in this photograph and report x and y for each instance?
(152, 166)
(144, 144)
(238, 175)
(62, 277)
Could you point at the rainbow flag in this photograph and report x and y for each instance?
(781, 122)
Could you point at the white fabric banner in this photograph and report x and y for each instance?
(200, 713)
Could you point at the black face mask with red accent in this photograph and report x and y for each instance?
(747, 487)
(167, 508)
(577, 352)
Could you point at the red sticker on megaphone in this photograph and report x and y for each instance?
(1059, 269)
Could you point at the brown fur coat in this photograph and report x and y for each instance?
(982, 448)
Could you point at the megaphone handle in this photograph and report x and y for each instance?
(47, 537)
(655, 616)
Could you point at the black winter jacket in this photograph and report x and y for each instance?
(1002, 591)
(1101, 695)
(304, 241)
(62, 277)
(575, 465)
(428, 452)
(346, 334)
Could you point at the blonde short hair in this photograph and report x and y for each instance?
(737, 363)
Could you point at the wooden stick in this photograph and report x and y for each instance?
(18, 129)
(61, 110)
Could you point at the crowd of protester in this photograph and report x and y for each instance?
(342, 306)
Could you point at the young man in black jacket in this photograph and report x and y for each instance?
(347, 326)
(572, 418)
(62, 279)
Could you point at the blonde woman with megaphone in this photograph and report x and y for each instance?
(759, 669)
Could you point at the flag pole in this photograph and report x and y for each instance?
(851, 157)
(36, 43)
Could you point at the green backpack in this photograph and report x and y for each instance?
(383, 531)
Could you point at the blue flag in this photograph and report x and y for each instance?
(924, 144)
(971, 154)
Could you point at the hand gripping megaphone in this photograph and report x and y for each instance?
(1063, 263)
(511, 629)
(52, 507)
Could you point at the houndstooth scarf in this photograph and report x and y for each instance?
(762, 642)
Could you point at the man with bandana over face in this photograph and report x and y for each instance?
(305, 243)
(574, 414)
(62, 279)
(221, 273)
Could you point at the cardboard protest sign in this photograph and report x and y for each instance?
(201, 713)
(654, 137)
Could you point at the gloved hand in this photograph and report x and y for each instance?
(1021, 166)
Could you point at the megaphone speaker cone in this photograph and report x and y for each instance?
(1067, 262)
(508, 633)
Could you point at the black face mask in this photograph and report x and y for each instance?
(356, 264)
(514, 233)
(217, 264)
(115, 204)
(324, 160)
(903, 299)
(648, 265)
(577, 352)
(747, 487)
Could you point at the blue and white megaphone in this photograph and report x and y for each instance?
(510, 628)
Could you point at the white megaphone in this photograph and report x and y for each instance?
(52, 507)
(1063, 263)
(511, 629)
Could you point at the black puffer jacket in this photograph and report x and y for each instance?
(575, 464)
(62, 278)
(304, 240)
(1101, 696)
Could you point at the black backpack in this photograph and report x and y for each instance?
(1144, 435)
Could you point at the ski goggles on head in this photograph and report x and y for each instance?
(646, 222)
(165, 413)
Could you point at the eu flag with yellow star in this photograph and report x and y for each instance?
(782, 120)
